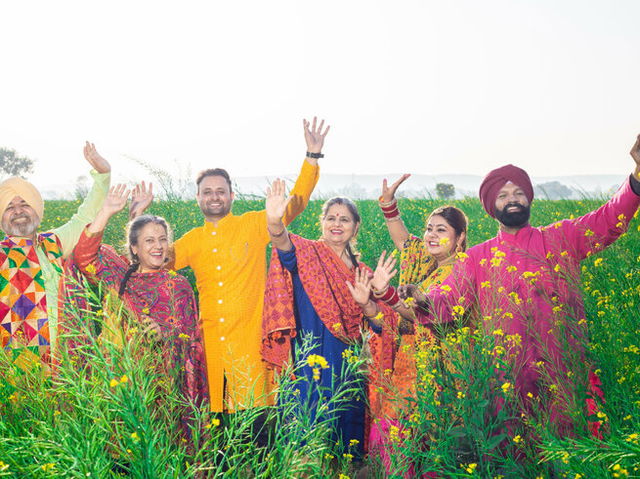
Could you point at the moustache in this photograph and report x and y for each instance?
(513, 205)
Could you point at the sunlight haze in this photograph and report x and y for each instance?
(426, 87)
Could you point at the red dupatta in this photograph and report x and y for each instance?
(323, 276)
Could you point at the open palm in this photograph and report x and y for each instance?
(95, 159)
(314, 135)
(276, 200)
(116, 199)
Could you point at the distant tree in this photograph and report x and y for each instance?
(13, 165)
(552, 190)
(445, 190)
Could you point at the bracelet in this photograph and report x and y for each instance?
(389, 210)
(377, 293)
(315, 155)
(391, 215)
(384, 204)
(389, 296)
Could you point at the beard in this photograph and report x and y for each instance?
(513, 219)
(21, 228)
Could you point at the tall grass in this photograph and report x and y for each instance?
(111, 410)
(79, 425)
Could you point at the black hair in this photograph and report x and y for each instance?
(353, 209)
(213, 172)
(133, 232)
(457, 220)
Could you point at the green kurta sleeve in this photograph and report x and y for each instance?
(70, 232)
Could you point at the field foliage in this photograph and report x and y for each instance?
(107, 415)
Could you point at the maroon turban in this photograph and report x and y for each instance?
(496, 179)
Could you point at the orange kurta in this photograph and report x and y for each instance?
(229, 261)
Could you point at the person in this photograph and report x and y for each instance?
(317, 289)
(525, 284)
(228, 256)
(162, 301)
(424, 262)
(32, 265)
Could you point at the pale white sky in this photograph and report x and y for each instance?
(431, 87)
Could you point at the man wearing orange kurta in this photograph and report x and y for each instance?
(228, 257)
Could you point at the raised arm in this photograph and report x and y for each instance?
(141, 198)
(275, 206)
(600, 228)
(361, 294)
(85, 253)
(70, 231)
(113, 204)
(389, 205)
(314, 136)
(382, 290)
(635, 154)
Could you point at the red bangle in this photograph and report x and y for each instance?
(389, 210)
(391, 214)
(390, 296)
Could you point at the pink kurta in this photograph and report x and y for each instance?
(528, 284)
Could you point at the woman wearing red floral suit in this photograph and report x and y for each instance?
(161, 300)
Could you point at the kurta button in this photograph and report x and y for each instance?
(215, 250)
(220, 283)
(214, 233)
(222, 320)
(219, 301)
(221, 338)
(218, 268)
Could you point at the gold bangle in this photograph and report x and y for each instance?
(380, 293)
(386, 204)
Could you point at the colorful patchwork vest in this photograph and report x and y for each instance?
(24, 331)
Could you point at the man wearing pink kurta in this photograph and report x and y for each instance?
(525, 285)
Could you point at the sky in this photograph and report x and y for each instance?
(426, 87)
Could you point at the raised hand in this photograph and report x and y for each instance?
(361, 289)
(384, 272)
(141, 198)
(116, 199)
(314, 136)
(389, 192)
(276, 202)
(635, 153)
(114, 202)
(95, 160)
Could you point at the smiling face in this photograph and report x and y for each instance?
(441, 238)
(152, 247)
(512, 206)
(338, 225)
(214, 197)
(20, 219)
